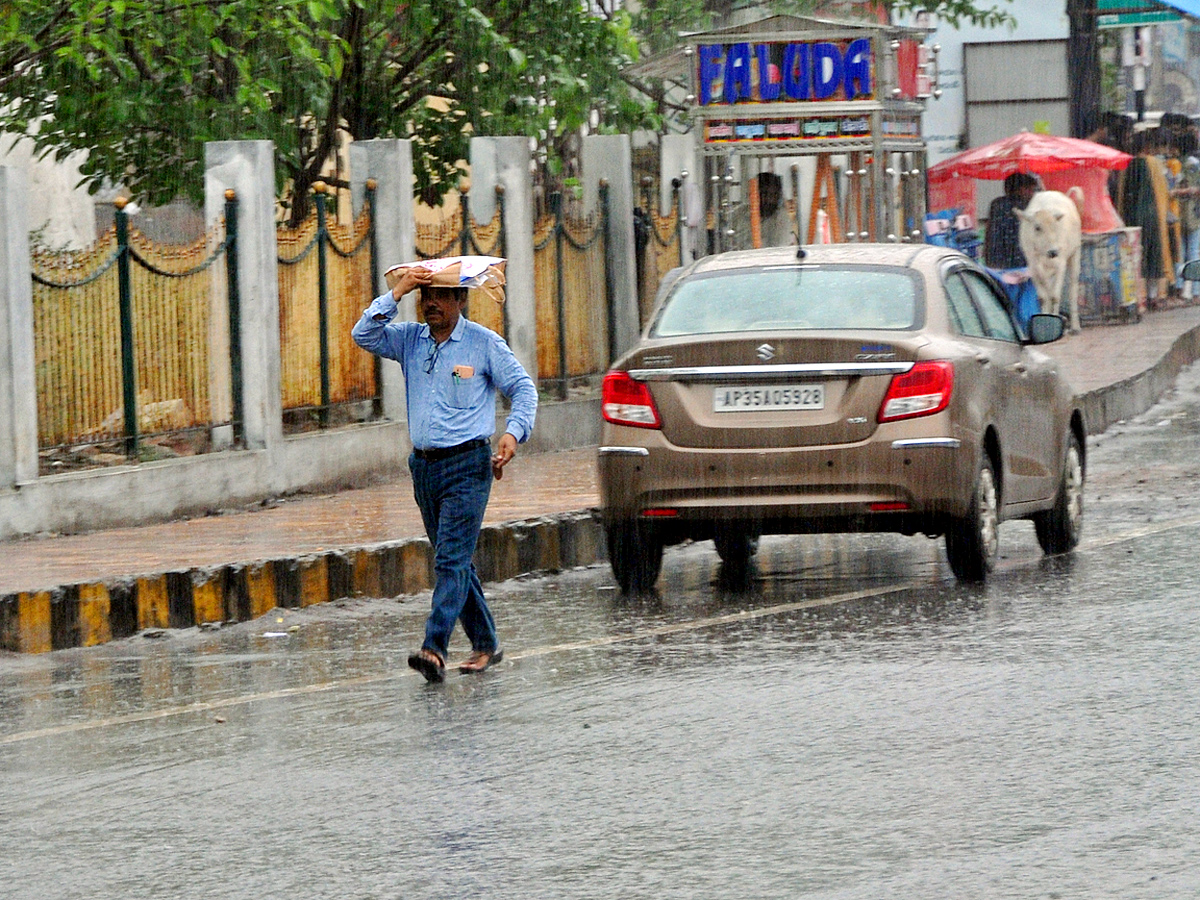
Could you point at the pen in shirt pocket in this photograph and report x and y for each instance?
(464, 371)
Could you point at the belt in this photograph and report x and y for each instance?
(437, 453)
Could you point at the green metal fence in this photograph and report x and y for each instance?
(136, 342)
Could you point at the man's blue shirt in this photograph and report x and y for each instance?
(455, 400)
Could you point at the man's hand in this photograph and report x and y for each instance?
(506, 449)
(412, 278)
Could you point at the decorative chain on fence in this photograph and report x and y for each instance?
(462, 236)
(321, 296)
(125, 352)
(575, 322)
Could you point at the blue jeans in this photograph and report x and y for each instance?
(452, 494)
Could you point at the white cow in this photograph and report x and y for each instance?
(1050, 239)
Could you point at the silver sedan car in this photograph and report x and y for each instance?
(852, 387)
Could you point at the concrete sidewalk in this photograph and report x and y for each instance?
(79, 590)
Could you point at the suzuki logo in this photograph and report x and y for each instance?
(765, 352)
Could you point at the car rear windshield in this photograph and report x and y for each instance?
(792, 297)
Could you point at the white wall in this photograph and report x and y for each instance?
(61, 215)
(945, 118)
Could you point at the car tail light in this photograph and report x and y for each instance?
(921, 391)
(628, 402)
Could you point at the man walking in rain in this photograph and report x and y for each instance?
(452, 370)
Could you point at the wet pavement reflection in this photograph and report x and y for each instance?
(846, 722)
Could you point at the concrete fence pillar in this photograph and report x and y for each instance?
(609, 157)
(389, 162)
(18, 392)
(248, 168)
(504, 162)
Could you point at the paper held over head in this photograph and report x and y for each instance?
(484, 273)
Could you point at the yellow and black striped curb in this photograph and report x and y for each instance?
(84, 615)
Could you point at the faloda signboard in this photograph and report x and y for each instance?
(784, 72)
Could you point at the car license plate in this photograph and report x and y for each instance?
(768, 397)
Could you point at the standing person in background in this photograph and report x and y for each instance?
(1187, 193)
(1168, 152)
(1001, 248)
(1116, 132)
(774, 223)
(1143, 203)
(452, 370)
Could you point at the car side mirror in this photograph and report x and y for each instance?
(1191, 270)
(1045, 328)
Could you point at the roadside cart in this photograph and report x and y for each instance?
(834, 107)
(1110, 282)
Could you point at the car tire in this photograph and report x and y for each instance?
(1059, 528)
(635, 554)
(973, 542)
(735, 546)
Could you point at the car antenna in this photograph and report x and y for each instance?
(800, 251)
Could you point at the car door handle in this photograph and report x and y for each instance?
(1018, 367)
(983, 359)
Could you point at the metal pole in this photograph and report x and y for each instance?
(503, 247)
(323, 305)
(556, 203)
(799, 205)
(608, 272)
(677, 202)
(377, 361)
(464, 235)
(235, 315)
(125, 299)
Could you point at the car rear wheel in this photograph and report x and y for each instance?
(735, 545)
(1058, 528)
(973, 542)
(635, 554)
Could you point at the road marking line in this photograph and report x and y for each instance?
(1143, 531)
(744, 615)
(657, 631)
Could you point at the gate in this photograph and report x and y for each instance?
(126, 354)
(325, 378)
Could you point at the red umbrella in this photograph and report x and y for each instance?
(1038, 154)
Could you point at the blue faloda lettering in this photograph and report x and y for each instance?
(795, 71)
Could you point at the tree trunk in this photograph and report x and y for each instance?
(1083, 67)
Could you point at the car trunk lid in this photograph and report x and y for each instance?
(763, 392)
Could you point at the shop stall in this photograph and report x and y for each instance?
(831, 108)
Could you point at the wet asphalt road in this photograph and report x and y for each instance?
(849, 723)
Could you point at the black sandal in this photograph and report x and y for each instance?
(429, 664)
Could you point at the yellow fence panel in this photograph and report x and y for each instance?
(180, 342)
(77, 344)
(580, 334)
(176, 325)
(349, 289)
(662, 256)
(299, 315)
